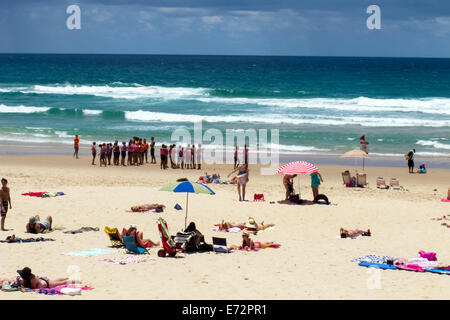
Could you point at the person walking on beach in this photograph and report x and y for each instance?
(76, 142)
(5, 199)
(316, 179)
(94, 152)
(410, 158)
(242, 179)
(152, 150)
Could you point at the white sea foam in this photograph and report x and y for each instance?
(92, 112)
(22, 109)
(434, 144)
(129, 92)
(149, 116)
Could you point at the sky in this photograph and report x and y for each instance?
(409, 28)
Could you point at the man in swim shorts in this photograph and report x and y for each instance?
(34, 225)
(5, 198)
(411, 160)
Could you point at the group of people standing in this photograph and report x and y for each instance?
(180, 157)
(132, 154)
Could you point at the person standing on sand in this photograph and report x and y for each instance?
(242, 179)
(199, 157)
(146, 150)
(236, 159)
(5, 198)
(410, 158)
(316, 179)
(152, 150)
(245, 154)
(94, 152)
(76, 142)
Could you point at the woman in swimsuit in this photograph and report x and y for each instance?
(242, 179)
(254, 226)
(94, 152)
(225, 225)
(139, 237)
(316, 179)
(249, 244)
(29, 280)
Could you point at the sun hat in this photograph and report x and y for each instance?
(251, 221)
(25, 273)
(133, 226)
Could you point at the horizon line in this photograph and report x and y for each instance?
(226, 55)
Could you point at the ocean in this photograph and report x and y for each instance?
(320, 105)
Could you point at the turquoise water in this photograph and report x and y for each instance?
(321, 105)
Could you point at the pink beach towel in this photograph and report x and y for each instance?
(431, 256)
(445, 200)
(411, 267)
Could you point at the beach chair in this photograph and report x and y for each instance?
(395, 184)
(381, 183)
(170, 246)
(221, 242)
(361, 180)
(131, 247)
(114, 237)
(346, 177)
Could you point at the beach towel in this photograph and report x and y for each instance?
(383, 266)
(441, 271)
(13, 239)
(428, 255)
(411, 267)
(82, 229)
(358, 236)
(129, 259)
(90, 252)
(445, 200)
(59, 290)
(232, 230)
(151, 210)
(44, 194)
(373, 258)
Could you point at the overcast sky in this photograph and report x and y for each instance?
(412, 28)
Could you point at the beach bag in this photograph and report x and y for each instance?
(321, 197)
(258, 197)
(294, 198)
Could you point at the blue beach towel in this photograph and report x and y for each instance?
(438, 271)
(377, 265)
(89, 252)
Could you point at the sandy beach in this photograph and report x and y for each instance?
(312, 263)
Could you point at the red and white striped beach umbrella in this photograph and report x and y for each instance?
(297, 167)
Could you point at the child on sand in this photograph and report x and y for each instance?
(5, 198)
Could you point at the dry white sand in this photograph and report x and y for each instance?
(311, 263)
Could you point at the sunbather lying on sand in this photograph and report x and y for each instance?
(353, 233)
(29, 280)
(249, 244)
(34, 225)
(139, 236)
(257, 227)
(147, 207)
(225, 225)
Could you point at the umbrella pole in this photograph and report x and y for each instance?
(187, 204)
(299, 187)
(363, 164)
